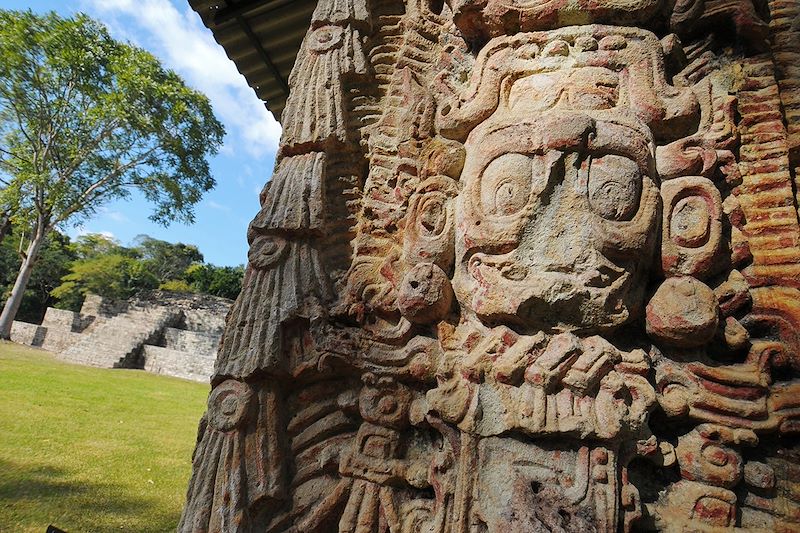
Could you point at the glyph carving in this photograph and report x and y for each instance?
(522, 266)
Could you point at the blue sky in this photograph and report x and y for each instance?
(174, 33)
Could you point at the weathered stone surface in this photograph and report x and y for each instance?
(523, 266)
(25, 333)
(195, 366)
(683, 312)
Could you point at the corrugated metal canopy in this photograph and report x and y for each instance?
(262, 38)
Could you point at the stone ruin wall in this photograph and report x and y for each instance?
(523, 265)
(164, 333)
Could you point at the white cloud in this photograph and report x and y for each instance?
(81, 231)
(219, 207)
(181, 41)
(116, 216)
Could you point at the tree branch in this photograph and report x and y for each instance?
(88, 149)
(86, 197)
(18, 117)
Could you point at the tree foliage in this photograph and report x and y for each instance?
(94, 263)
(85, 119)
(166, 260)
(112, 275)
(102, 266)
(219, 281)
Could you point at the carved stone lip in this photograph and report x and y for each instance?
(547, 298)
(515, 268)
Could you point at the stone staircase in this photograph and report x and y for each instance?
(185, 354)
(175, 334)
(118, 342)
(178, 363)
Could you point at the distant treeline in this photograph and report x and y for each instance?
(68, 270)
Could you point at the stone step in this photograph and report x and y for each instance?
(197, 342)
(187, 365)
(118, 342)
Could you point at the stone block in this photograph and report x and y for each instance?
(57, 340)
(94, 305)
(177, 363)
(197, 342)
(25, 333)
(61, 319)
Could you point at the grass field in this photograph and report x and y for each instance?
(92, 450)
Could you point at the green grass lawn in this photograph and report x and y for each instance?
(89, 449)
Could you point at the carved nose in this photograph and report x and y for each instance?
(558, 238)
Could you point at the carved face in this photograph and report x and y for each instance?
(556, 222)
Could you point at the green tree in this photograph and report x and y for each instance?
(92, 245)
(85, 119)
(218, 281)
(176, 285)
(167, 261)
(112, 275)
(101, 265)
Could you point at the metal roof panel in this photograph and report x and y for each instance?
(262, 38)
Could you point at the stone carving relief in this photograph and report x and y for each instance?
(522, 266)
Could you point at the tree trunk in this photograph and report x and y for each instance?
(15, 299)
(5, 225)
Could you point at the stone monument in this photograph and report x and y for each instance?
(523, 265)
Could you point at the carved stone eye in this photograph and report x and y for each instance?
(615, 186)
(506, 184)
(432, 215)
(265, 251)
(228, 405)
(325, 38)
(690, 222)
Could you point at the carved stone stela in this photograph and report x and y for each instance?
(524, 265)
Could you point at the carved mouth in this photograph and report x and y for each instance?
(487, 269)
(551, 299)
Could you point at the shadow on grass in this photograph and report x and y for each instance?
(33, 496)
